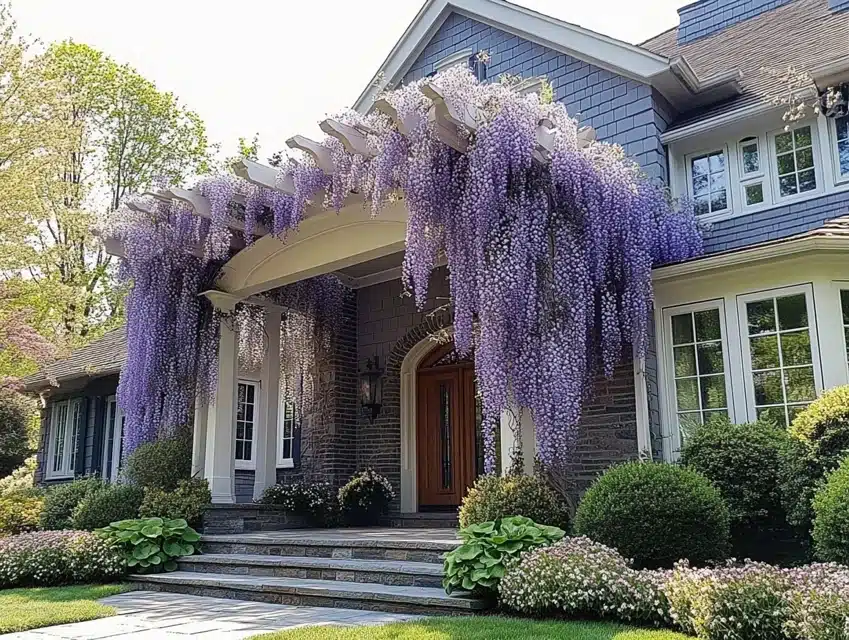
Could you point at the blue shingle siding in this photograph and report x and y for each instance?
(621, 110)
(775, 223)
(706, 17)
(838, 5)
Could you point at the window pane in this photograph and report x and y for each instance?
(805, 158)
(682, 329)
(717, 162)
(717, 182)
(792, 312)
(685, 361)
(701, 185)
(750, 158)
(764, 351)
(715, 414)
(768, 388)
(707, 325)
(754, 194)
(700, 167)
(710, 358)
(803, 136)
(688, 423)
(800, 385)
(842, 124)
(687, 394)
(783, 142)
(713, 392)
(761, 316)
(701, 206)
(787, 185)
(843, 156)
(807, 181)
(796, 348)
(786, 164)
(718, 201)
(844, 303)
(773, 414)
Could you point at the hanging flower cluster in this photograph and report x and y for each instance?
(549, 261)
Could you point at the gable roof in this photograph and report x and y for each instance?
(104, 356)
(672, 76)
(805, 34)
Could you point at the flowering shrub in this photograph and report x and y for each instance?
(831, 517)
(316, 501)
(520, 236)
(187, 501)
(365, 497)
(819, 602)
(577, 577)
(108, 504)
(20, 511)
(478, 564)
(745, 602)
(493, 497)
(47, 558)
(61, 500)
(151, 544)
(656, 514)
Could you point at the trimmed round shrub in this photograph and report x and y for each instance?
(747, 602)
(744, 461)
(187, 501)
(61, 500)
(824, 427)
(831, 517)
(109, 504)
(493, 497)
(160, 464)
(20, 511)
(579, 578)
(656, 514)
(365, 497)
(48, 558)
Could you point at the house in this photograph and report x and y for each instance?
(757, 326)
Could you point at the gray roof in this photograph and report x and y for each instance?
(102, 357)
(804, 34)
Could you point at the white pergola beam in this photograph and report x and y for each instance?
(452, 122)
(202, 208)
(351, 138)
(264, 176)
(318, 151)
(405, 125)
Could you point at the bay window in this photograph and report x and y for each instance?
(794, 161)
(66, 421)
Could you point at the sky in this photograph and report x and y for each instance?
(277, 67)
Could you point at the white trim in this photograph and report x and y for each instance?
(460, 58)
(285, 463)
(68, 459)
(773, 159)
(710, 124)
(248, 464)
(641, 398)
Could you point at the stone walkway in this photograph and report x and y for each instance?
(144, 615)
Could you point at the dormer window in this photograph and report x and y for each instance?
(708, 182)
(794, 161)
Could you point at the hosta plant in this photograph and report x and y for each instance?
(479, 563)
(152, 544)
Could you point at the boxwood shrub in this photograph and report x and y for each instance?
(108, 504)
(656, 514)
(831, 517)
(160, 464)
(187, 501)
(61, 500)
(493, 497)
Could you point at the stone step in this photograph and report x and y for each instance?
(321, 593)
(391, 572)
(424, 520)
(408, 545)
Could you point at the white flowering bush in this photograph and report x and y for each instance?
(366, 497)
(819, 602)
(577, 577)
(47, 558)
(317, 501)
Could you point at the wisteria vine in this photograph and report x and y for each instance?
(549, 263)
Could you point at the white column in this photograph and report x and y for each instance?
(509, 443)
(199, 437)
(220, 466)
(266, 428)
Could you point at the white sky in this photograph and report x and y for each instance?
(277, 67)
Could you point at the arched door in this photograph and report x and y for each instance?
(447, 431)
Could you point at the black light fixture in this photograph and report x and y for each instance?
(371, 387)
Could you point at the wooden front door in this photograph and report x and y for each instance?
(446, 440)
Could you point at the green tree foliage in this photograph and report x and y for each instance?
(16, 442)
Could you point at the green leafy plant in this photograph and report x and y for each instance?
(160, 464)
(831, 517)
(479, 563)
(110, 503)
(152, 544)
(493, 497)
(20, 511)
(655, 514)
(61, 500)
(187, 501)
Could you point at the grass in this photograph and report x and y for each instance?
(23, 609)
(478, 628)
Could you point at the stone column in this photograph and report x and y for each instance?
(266, 427)
(199, 438)
(508, 439)
(220, 465)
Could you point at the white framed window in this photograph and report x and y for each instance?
(752, 165)
(286, 423)
(65, 423)
(780, 352)
(841, 147)
(794, 161)
(696, 359)
(247, 401)
(707, 177)
(113, 439)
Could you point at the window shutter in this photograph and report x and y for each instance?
(82, 423)
(99, 434)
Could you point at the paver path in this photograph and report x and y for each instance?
(144, 615)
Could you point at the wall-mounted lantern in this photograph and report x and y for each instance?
(371, 387)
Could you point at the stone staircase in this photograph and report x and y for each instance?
(393, 570)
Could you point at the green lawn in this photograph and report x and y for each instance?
(22, 609)
(478, 628)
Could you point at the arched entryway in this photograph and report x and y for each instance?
(448, 418)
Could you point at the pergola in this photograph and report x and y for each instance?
(350, 243)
